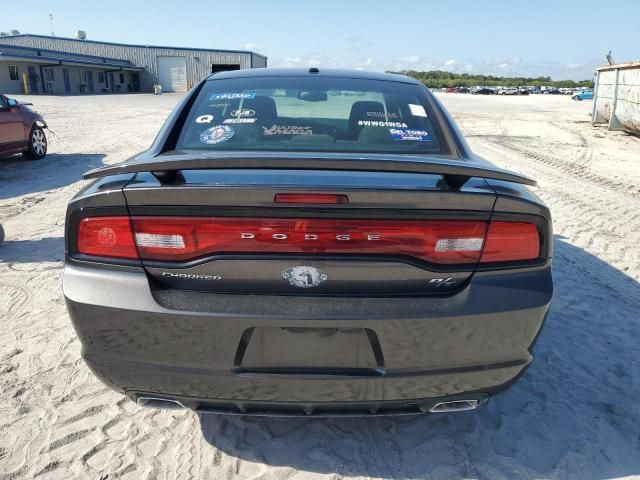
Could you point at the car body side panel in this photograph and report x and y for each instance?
(15, 126)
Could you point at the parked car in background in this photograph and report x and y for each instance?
(552, 91)
(583, 95)
(21, 130)
(282, 249)
(483, 91)
(509, 91)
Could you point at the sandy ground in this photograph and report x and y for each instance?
(574, 415)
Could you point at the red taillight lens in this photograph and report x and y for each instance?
(311, 198)
(170, 238)
(106, 237)
(509, 241)
(186, 238)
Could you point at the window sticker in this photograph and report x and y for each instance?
(232, 96)
(386, 116)
(240, 120)
(243, 112)
(204, 119)
(218, 105)
(287, 130)
(417, 110)
(377, 123)
(217, 134)
(410, 135)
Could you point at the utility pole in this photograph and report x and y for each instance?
(51, 17)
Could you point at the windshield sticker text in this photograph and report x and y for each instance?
(204, 119)
(240, 120)
(232, 96)
(287, 130)
(410, 135)
(376, 123)
(387, 116)
(217, 134)
(243, 112)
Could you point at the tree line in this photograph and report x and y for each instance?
(442, 79)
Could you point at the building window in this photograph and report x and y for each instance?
(48, 75)
(122, 78)
(84, 76)
(13, 72)
(101, 77)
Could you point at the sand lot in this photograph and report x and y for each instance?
(575, 414)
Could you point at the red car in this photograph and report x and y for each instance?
(21, 130)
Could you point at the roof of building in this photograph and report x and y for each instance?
(50, 60)
(132, 45)
(8, 47)
(617, 66)
(304, 72)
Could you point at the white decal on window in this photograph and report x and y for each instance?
(417, 110)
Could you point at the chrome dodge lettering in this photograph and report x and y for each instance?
(191, 276)
(344, 237)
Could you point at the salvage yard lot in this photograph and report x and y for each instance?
(573, 415)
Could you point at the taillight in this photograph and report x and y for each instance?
(170, 238)
(510, 241)
(187, 238)
(106, 237)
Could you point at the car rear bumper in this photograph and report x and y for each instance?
(228, 353)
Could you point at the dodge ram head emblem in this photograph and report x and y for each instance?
(304, 277)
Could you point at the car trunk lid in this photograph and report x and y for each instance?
(372, 233)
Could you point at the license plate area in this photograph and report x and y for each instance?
(309, 351)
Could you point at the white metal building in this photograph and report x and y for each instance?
(57, 65)
(617, 97)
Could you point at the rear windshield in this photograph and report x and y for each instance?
(312, 114)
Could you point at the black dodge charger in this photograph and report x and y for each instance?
(308, 242)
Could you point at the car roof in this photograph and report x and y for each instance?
(313, 71)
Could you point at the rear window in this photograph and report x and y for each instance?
(312, 114)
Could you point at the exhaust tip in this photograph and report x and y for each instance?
(163, 403)
(455, 406)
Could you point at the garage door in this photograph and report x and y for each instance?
(172, 74)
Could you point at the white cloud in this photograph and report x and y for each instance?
(450, 63)
(410, 59)
(249, 46)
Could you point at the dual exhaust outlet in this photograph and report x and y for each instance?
(440, 407)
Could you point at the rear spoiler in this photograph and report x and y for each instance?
(455, 172)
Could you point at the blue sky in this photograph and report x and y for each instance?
(562, 38)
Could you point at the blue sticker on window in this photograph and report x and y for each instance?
(217, 134)
(232, 96)
(410, 135)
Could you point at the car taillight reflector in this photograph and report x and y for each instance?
(509, 241)
(437, 241)
(106, 237)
